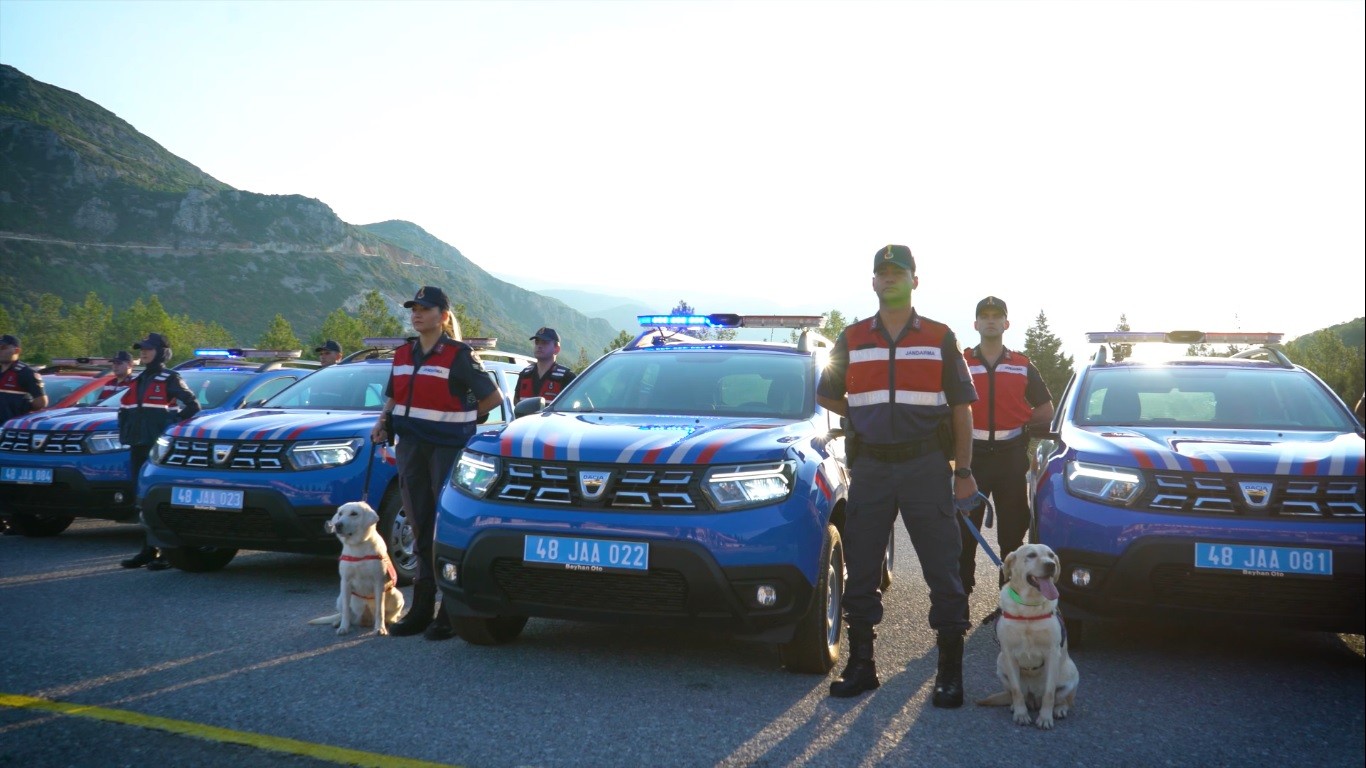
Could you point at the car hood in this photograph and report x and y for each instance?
(623, 439)
(82, 419)
(1240, 451)
(278, 424)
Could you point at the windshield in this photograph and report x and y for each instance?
(1211, 397)
(353, 386)
(58, 387)
(696, 383)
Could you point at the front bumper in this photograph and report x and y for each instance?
(98, 487)
(268, 521)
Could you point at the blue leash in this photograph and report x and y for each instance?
(964, 506)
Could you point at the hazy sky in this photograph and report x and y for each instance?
(1189, 164)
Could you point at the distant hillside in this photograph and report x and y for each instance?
(89, 203)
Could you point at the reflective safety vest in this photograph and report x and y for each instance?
(1003, 410)
(889, 386)
(113, 386)
(555, 380)
(140, 423)
(158, 395)
(424, 407)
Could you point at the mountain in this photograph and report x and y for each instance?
(88, 203)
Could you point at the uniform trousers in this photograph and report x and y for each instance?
(422, 469)
(922, 490)
(1000, 474)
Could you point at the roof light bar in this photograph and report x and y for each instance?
(253, 353)
(384, 342)
(80, 361)
(482, 342)
(1181, 337)
(728, 320)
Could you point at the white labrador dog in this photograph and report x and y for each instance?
(369, 584)
(1033, 663)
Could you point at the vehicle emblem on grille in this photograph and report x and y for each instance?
(592, 484)
(39, 438)
(1257, 495)
(220, 452)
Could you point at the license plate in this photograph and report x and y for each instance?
(593, 555)
(1255, 560)
(26, 475)
(206, 498)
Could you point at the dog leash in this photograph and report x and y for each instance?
(964, 506)
(369, 467)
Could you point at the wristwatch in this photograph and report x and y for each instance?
(963, 472)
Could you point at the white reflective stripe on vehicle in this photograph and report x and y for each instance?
(1001, 434)
(909, 397)
(150, 405)
(919, 353)
(431, 414)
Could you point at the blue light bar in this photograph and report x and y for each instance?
(216, 353)
(675, 321)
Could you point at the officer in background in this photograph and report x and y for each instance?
(330, 353)
(901, 381)
(1013, 399)
(21, 387)
(546, 378)
(123, 375)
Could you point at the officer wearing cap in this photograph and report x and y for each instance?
(123, 375)
(437, 392)
(545, 378)
(1014, 399)
(156, 399)
(899, 379)
(330, 353)
(21, 387)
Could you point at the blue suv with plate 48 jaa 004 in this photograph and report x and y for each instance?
(678, 481)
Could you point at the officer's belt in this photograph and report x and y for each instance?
(987, 447)
(899, 451)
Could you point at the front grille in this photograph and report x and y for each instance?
(226, 454)
(1180, 586)
(248, 523)
(1324, 498)
(659, 592)
(633, 488)
(38, 441)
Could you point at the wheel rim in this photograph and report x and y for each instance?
(403, 549)
(834, 591)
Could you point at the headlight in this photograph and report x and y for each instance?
(748, 485)
(104, 442)
(1112, 485)
(323, 453)
(475, 473)
(160, 449)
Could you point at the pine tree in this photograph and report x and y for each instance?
(583, 361)
(1121, 351)
(1341, 367)
(341, 328)
(279, 335)
(89, 322)
(1045, 351)
(620, 341)
(375, 318)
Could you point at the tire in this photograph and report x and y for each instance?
(198, 559)
(34, 526)
(495, 631)
(398, 536)
(815, 647)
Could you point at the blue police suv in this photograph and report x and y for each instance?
(1204, 488)
(677, 481)
(66, 463)
(269, 477)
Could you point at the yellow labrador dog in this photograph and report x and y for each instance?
(369, 584)
(1033, 663)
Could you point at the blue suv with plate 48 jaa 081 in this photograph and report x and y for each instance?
(677, 481)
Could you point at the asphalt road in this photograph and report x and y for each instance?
(107, 667)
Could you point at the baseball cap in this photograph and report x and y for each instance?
(9, 340)
(546, 334)
(899, 255)
(991, 302)
(328, 346)
(122, 356)
(429, 296)
(153, 341)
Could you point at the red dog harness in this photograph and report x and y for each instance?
(388, 571)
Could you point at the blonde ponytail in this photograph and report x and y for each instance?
(450, 326)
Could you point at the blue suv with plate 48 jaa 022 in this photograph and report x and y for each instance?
(677, 481)
(1207, 488)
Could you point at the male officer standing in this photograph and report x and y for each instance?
(330, 353)
(1014, 399)
(21, 387)
(902, 383)
(123, 374)
(546, 378)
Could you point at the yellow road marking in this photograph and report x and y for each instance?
(339, 755)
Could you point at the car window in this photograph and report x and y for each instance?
(213, 388)
(352, 386)
(91, 397)
(270, 388)
(58, 387)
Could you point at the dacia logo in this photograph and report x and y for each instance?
(39, 440)
(1256, 494)
(593, 483)
(221, 452)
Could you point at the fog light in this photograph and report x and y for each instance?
(118, 497)
(1081, 577)
(448, 572)
(766, 595)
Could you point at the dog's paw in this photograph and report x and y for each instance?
(1061, 711)
(343, 630)
(1045, 720)
(1022, 718)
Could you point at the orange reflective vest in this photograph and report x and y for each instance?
(891, 387)
(550, 386)
(424, 406)
(1003, 410)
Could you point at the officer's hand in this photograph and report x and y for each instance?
(965, 492)
(377, 434)
(483, 417)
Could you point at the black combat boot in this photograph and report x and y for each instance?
(861, 673)
(147, 555)
(441, 628)
(420, 614)
(948, 683)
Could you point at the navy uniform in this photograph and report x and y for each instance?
(1010, 389)
(21, 387)
(530, 382)
(901, 385)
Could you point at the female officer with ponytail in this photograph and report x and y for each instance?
(437, 393)
(154, 400)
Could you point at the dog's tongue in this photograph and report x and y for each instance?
(1049, 591)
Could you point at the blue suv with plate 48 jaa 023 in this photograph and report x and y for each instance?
(677, 481)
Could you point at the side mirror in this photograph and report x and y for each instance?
(528, 406)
